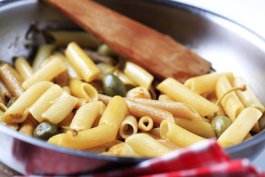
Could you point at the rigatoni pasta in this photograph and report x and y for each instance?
(53, 68)
(93, 100)
(179, 92)
(81, 62)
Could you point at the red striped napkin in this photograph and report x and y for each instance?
(203, 159)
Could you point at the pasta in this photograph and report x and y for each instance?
(240, 127)
(16, 112)
(128, 127)
(180, 93)
(177, 135)
(11, 79)
(138, 92)
(44, 51)
(147, 146)
(231, 103)
(65, 103)
(83, 90)
(138, 75)
(86, 115)
(45, 101)
(23, 68)
(88, 98)
(86, 139)
(197, 84)
(52, 69)
(145, 123)
(81, 62)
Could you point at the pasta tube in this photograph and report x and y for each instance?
(45, 101)
(83, 90)
(104, 147)
(4, 93)
(179, 92)
(81, 62)
(86, 115)
(115, 113)
(163, 97)
(44, 51)
(123, 149)
(128, 127)
(247, 97)
(168, 144)
(155, 132)
(147, 146)
(70, 70)
(177, 109)
(178, 135)
(65, 103)
(11, 79)
(126, 80)
(201, 128)
(206, 84)
(28, 126)
(86, 139)
(138, 75)
(23, 68)
(61, 79)
(138, 92)
(53, 68)
(67, 121)
(140, 110)
(16, 112)
(239, 129)
(145, 123)
(231, 103)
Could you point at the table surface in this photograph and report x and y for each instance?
(248, 13)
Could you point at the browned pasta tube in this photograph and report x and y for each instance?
(4, 93)
(11, 80)
(139, 110)
(177, 109)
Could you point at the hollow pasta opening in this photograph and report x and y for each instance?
(164, 128)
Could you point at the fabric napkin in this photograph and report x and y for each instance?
(203, 159)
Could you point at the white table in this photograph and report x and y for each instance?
(249, 13)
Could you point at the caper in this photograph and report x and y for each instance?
(112, 85)
(220, 124)
(105, 50)
(45, 130)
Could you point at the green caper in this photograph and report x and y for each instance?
(11, 101)
(45, 130)
(220, 124)
(105, 50)
(112, 85)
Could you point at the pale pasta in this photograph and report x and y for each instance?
(179, 92)
(128, 127)
(97, 102)
(81, 62)
(54, 67)
(231, 103)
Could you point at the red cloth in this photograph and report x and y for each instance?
(203, 159)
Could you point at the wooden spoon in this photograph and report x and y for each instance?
(156, 52)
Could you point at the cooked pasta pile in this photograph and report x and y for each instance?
(91, 99)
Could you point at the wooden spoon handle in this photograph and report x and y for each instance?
(156, 52)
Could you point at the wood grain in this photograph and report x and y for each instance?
(156, 52)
